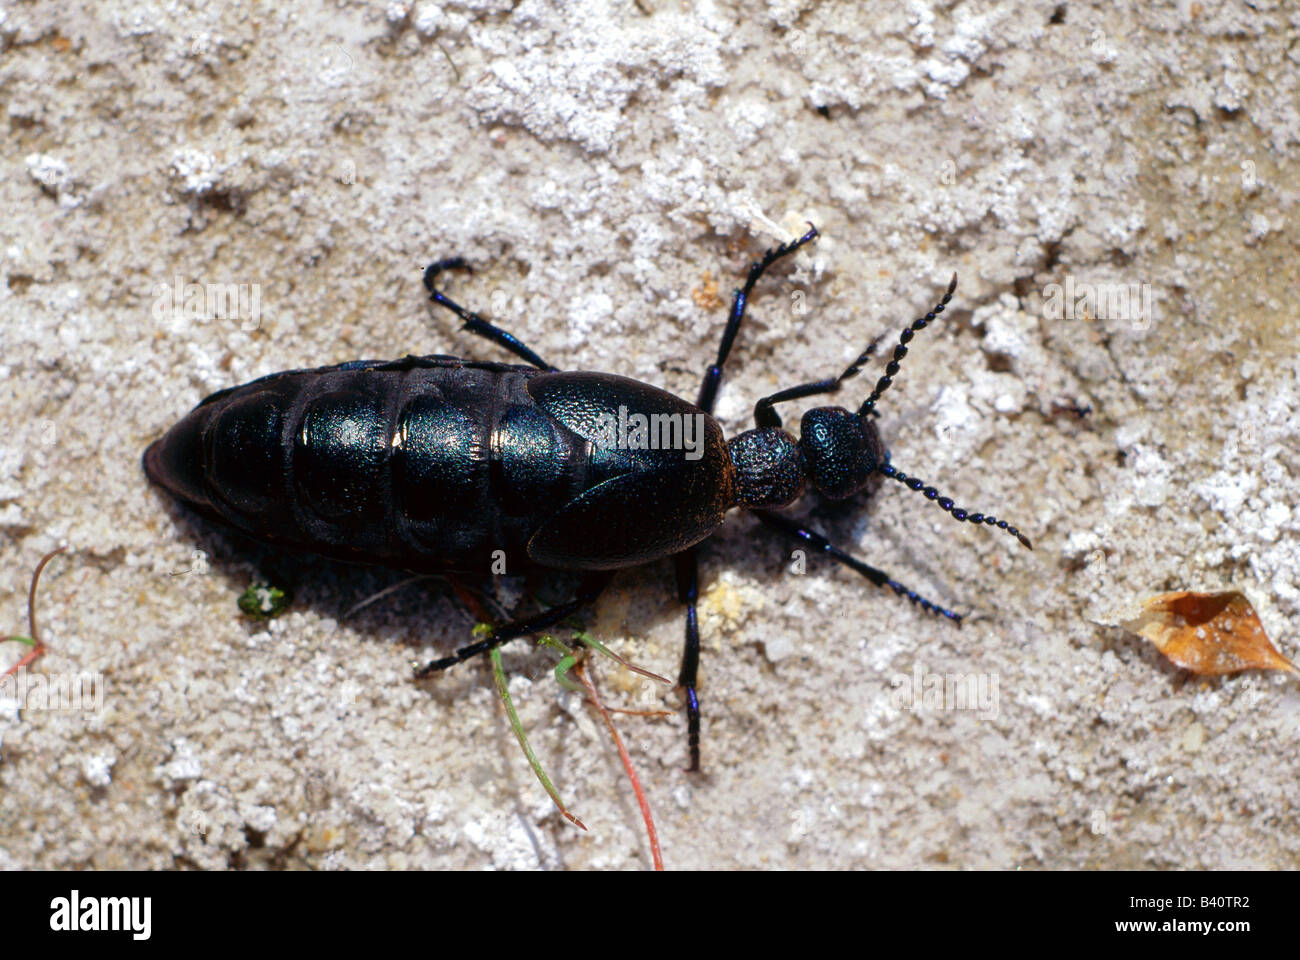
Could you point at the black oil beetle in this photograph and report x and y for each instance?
(442, 465)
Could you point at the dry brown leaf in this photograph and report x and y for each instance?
(1208, 633)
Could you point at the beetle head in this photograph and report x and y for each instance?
(841, 450)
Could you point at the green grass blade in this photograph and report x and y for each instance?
(499, 678)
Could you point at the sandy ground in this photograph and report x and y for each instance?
(607, 166)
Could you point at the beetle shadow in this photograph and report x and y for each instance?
(335, 589)
(850, 526)
(843, 522)
(421, 614)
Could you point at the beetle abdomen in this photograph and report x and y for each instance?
(427, 463)
(435, 463)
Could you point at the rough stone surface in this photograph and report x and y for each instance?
(611, 168)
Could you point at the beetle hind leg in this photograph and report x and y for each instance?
(591, 587)
(473, 322)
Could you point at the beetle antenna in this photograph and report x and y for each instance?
(946, 503)
(900, 351)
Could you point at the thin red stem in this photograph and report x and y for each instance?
(38, 648)
(580, 669)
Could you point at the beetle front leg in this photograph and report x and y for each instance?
(590, 588)
(688, 590)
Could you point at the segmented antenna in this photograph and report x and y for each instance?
(855, 367)
(900, 351)
(946, 503)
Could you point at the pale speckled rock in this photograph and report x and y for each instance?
(596, 160)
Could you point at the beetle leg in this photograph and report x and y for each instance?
(766, 416)
(713, 375)
(589, 590)
(878, 577)
(472, 599)
(688, 590)
(473, 322)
